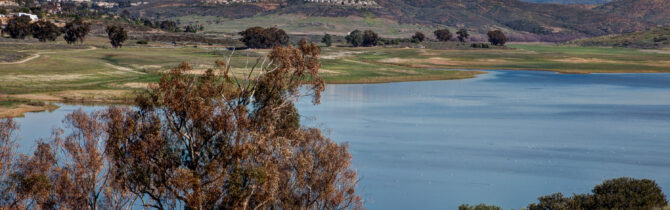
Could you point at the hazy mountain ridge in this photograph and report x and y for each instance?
(569, 1)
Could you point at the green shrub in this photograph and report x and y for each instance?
(621, 193)
(36, 103)
(628, 193)
(142, 42)
(480, 45)
(479, 207)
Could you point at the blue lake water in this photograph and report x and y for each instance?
(503, 138)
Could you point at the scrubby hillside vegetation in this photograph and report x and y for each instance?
(569, 1)
(654, 11)
(653, 38)
(525, 21)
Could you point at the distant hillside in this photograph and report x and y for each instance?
(569, 1)
(544, 20)
(655, 11)
(653, 38)
(524, 21)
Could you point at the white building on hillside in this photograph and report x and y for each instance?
(32, 17)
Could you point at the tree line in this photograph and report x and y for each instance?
(619, 193)
(259, 37)
(171, 26)
(74, 31)
(369, 38)
(194, 142)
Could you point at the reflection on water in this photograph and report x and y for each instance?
(503, 138)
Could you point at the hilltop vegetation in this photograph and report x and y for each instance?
(653, 38)
(653, 11)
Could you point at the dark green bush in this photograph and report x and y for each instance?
(479, 45)
(479, 207)
(621, 193)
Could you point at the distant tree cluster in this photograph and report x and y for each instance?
(44, 30)
(367, 38)
(443, 35)
(327, 40)
(18, 27)
(355, 38)
(463, 35)
(168, 25)
(194, 28)
(497, 37)
(480, 45)
(418, 37)
(76, 31)
(621, 193)
(117, 35)
(259, 37)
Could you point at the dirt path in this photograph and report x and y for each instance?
(121, 68)
(38, 54)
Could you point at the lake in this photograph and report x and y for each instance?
(503, 138)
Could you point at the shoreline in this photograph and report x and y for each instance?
(23, 101)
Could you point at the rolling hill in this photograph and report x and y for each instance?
(654, 11)
(654, 38)
(569, 1)
(523, 20)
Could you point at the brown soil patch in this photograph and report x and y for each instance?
(341, 54)
(658, 64)
(42, 77)
(666, 51)
(326, 71)
(429, 54)
(139, 85)
(95, 95)
(583, 60)
(20, 110)
(38, 97)
(417, 62)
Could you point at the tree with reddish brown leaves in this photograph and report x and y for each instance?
(230, 141)
(69, 172)
(8, 129)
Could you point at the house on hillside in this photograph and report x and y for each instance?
(32, 17)
(108, 5)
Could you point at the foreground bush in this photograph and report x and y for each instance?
(621, 193)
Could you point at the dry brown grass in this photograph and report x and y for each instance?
(20, 110)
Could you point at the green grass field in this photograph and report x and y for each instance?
(565, 59)
(96, 72)
(311, 25)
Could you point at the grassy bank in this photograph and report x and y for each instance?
(564, 59)
(95, 72)
(17, 107)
